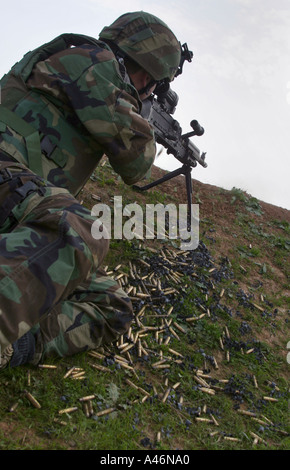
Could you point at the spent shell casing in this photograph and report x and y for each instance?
(139, 348)
(68, 410)
(215, 363)
(258, 307)
(144, 391)
(176, 385)
(174, 333)
(214, 420)
(144, 262)
(247, 413)
(127, 348)
(165, 396)
(275, 386)
(105, 412)
(96, 355)
(101, 368)
(161, 366)
(203, 420)
(179, 327)
(86, 409)
(210, 391)
(192, 319)
(129, 382)
(170, 310)
(47, 366)
(124, 364)
(63, 423)
(266, 419)
(257, 437)
(90, 407)
(201, 381)
(69, 372)
(260, 421)
(270, 399)
(122, 345)
(78, 375)
(13, 407)
(32, 400)
(175, 352)
(120, 358)
(87, 398)
(204, 376)
(144, 351)
(255, 381)
(249, 351)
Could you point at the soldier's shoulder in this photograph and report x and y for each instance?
(99, 52)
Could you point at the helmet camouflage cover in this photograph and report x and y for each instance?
(148, 41)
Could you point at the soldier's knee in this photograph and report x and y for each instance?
(81, 223)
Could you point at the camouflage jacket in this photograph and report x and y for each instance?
(82, 106)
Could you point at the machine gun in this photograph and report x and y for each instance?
(168, 133)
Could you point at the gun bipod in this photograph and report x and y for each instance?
(184, 170)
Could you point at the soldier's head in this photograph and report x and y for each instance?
(150, 49)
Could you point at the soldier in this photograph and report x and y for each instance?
(63, 106)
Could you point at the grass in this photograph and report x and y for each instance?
(227, 362)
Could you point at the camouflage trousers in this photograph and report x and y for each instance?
(52, 285)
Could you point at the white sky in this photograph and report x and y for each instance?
(237, 87)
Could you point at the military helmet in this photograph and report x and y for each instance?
(148, 41)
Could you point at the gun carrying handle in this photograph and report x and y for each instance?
(197, 130)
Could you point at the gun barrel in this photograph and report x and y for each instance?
(195, 152)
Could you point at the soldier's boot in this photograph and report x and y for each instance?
(5, 356)
(18, 353)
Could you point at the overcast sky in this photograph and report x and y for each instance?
(237, 86)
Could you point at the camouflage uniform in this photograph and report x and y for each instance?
(62, 108)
